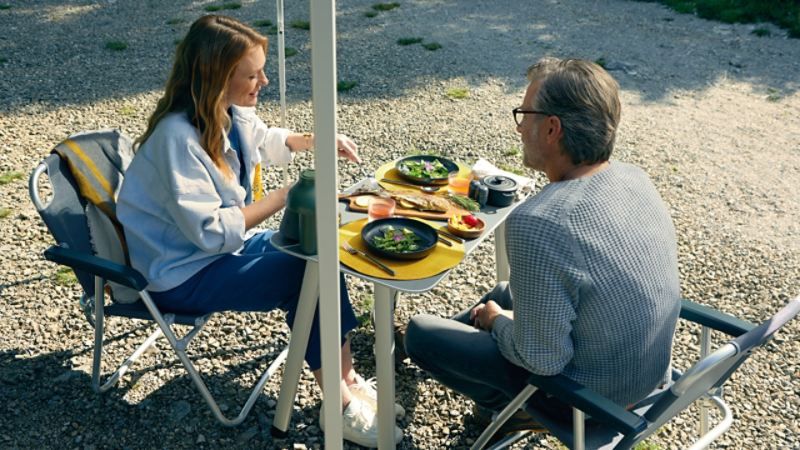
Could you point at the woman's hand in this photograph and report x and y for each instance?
(346, 148)
(261, 210)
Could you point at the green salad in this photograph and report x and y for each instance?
(425, 169)
(396, 240)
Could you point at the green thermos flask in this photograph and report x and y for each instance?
(299, 220)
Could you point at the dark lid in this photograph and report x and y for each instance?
(307, 175)
(500, 183)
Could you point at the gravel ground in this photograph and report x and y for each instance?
(711, 111)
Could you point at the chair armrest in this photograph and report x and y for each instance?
(96, 266)
(717, 320)
(600, 408)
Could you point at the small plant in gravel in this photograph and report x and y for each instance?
(289, 51)
(761, 32)
(272, 31)
(228, 5)
(511, 151)
(65, 276)
(300, 25)
(513, 169)
(432, 46)
(127, 111)
(5, 6)
(3, 60)
(385, 6)
(601, 62)
(262, 23)
(367, 305)
(458, 93)
(175, 21)
(9, 177)
(177, 41)
(116, 46)
(773, 95)
(370, 13)
(344, 86)
(4, 212)
(409, 40)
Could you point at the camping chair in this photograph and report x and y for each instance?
(84, 173)
(599, 423)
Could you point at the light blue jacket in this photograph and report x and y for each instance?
(179, 211)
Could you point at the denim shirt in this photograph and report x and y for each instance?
(179, 211)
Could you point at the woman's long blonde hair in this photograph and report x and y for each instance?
(204, 62)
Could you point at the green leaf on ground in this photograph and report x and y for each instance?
(290, 51)
(262, 23)
(65, 276)
(116, 46)
(432, 46)
(175, 21)
(5, 6)
(761, 32)
(344, 86)
(9, 177)
(228, 5)
(385, 6)
(4, 212)
(458, 93)
(300, 25)
(409, 40)
(371, 13)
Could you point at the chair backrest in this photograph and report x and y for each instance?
(713, 371)
(85, 172)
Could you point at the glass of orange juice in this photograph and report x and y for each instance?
(380, 208)
(458, 183)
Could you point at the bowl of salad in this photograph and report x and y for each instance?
(399, 238)
(425, 169)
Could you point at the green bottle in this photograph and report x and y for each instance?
(299, 220)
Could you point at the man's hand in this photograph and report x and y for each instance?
(483, 315)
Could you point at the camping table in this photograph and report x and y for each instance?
(386, 292)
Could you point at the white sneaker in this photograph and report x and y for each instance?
(365, 391)
(360, 424)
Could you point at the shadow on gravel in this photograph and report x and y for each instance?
(52, 54)
(46, 403)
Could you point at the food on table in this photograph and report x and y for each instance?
(421, 202)
(465, 202)
(397, 240)
(425, 169)
(362, 201)
(467, 226)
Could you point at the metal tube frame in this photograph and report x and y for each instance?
(164, 328)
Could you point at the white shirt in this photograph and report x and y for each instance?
(179, 211)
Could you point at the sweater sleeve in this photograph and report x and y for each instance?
(544, 283)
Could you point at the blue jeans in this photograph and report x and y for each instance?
(260, 278)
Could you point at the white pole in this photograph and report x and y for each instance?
(323, 85)
(282, 76)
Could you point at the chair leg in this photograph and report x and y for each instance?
(501, 418)
(578, 431)
(705, 349)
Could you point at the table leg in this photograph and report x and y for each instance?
(384, 364)
(500, 254)
(298, 342)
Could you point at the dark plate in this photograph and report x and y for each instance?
(448, 164)
(427, 236)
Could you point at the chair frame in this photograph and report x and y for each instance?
(103, 271)
(635, 427)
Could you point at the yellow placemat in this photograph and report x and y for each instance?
(388, 171)
(441, 259)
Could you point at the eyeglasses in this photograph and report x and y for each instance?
(519, 114)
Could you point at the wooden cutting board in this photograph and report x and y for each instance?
(400, 211)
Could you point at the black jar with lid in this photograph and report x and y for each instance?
(502, 190)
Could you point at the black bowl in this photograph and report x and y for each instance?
(400, 165)
(427, 237)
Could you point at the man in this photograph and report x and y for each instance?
(594, 289)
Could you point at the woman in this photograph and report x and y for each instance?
(188, 208)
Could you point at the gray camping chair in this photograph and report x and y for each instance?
(65, 215)
(599, 423)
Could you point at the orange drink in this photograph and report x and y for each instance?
(380, 208)
(458, 183)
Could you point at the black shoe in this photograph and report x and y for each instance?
(400, 342)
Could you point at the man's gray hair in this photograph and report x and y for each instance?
(586, 100)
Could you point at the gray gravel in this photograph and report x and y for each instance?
(711, 111)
